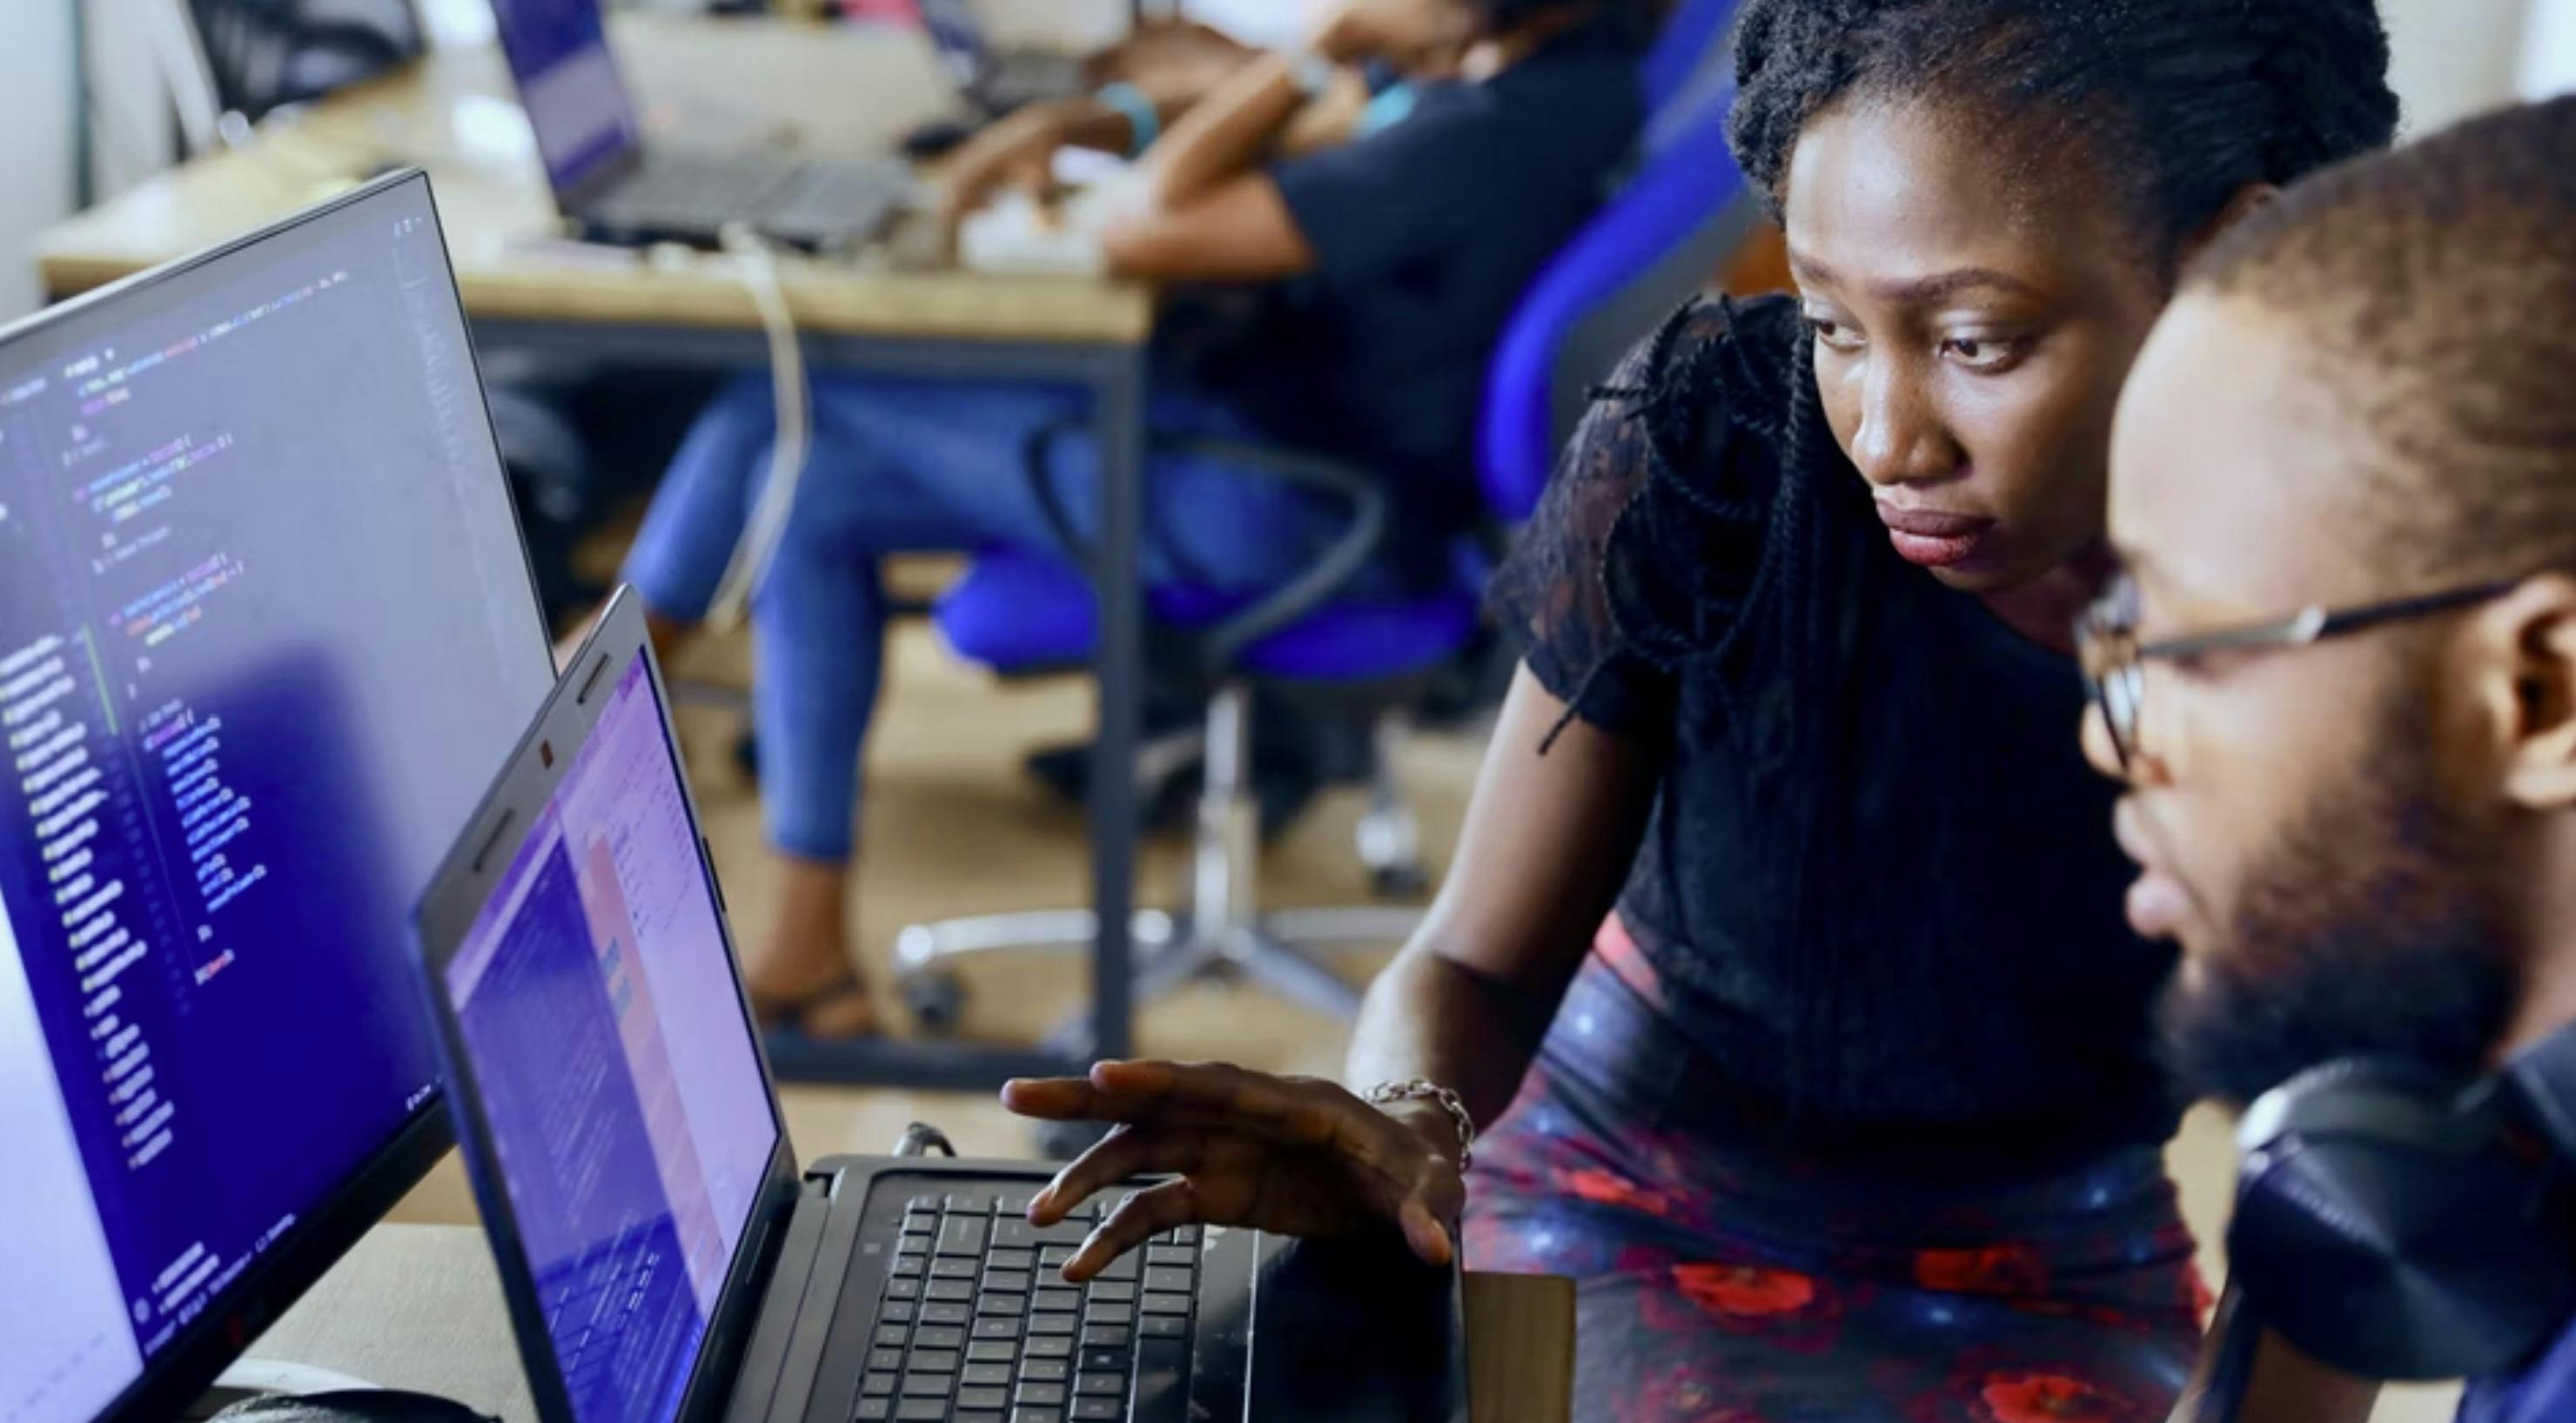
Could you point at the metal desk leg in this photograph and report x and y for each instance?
(1120, 693)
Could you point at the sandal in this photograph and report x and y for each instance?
(841, 1010)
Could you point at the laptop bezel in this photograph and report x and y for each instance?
(456, 897)
(972, 60)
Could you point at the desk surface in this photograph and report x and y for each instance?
(419, 1307)
(845, 91)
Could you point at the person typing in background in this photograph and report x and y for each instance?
(1354, 261)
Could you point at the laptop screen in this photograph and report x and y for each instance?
(568, 83)
(600, 1021)
(959, 36)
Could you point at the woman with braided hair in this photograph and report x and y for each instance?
(1849, 1110)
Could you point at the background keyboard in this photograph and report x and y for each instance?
(975, 1325)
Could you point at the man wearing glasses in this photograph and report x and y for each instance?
(2339, 674)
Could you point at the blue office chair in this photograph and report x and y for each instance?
(1653, 245)
(1691, 51)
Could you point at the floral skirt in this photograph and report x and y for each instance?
(1728, 1280)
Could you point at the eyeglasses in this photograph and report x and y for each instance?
(2114, 661)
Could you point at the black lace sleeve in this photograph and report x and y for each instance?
(1651, 532)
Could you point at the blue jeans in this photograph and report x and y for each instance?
(922, 467)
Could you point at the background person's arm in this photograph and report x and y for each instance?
(1203, 208)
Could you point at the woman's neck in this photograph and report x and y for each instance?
(2047, 609)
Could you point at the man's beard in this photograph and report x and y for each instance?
(2371, 929)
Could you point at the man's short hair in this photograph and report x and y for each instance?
(2433, 289)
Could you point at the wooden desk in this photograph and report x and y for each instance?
(846, 91)
(419, 1307)
(841, 90)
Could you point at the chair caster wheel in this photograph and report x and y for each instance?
(936, 1002)
(1063, 1141)
(1398, 881)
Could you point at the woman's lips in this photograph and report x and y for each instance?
(1929, 538)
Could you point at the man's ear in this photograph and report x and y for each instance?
(2526, 688)
(2247, 199)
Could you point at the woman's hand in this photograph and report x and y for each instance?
(1296, 1156)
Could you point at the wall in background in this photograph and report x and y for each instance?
(35, 141)
(1269, 23)
(2549, 50)
(2453, 58)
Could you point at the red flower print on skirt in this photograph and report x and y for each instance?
(2048, 1398)
(1683, 1391)
(1994, 1270)
(1608, 1188)
(1745, 1289)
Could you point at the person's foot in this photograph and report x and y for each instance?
(803, 977)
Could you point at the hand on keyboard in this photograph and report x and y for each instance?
(1297, 1156)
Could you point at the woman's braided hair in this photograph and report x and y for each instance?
(2180, 104)
(2177, 106)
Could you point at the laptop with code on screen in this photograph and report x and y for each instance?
(665, 1257)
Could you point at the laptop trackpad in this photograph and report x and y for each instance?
(1352, 1329)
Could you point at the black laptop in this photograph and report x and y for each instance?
(998, 80)
(619, 189)
(666, 1258)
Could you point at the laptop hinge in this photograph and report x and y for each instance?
(761, 1380)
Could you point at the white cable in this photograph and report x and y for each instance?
(748, 569)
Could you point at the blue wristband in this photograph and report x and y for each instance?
(1392, 106)
(1143, 118)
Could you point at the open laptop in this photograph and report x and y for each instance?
(664, 1257)
(998, 80)
(619, 189)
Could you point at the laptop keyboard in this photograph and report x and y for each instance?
(698, 185)
(976, 1326)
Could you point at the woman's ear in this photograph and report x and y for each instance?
(2247, 199)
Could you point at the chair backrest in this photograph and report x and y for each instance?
(263, 54)
(1658, 241)
(1693, 40)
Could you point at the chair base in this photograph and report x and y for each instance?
(1224, 934)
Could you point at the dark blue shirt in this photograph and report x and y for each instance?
(2543, 1393)
(1426, 233)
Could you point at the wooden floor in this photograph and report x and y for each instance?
(952, 826)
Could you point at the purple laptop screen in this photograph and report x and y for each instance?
(628, 1117)
(568, 82)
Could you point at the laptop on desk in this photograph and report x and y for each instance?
(665, 1258)
(998, 80)
(620, 189)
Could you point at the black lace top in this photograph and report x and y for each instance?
(1879, 884)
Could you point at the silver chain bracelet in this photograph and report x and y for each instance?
(1419, 1090)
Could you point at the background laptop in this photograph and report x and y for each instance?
(998, 80)
(620, 190)
(664, 1258)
